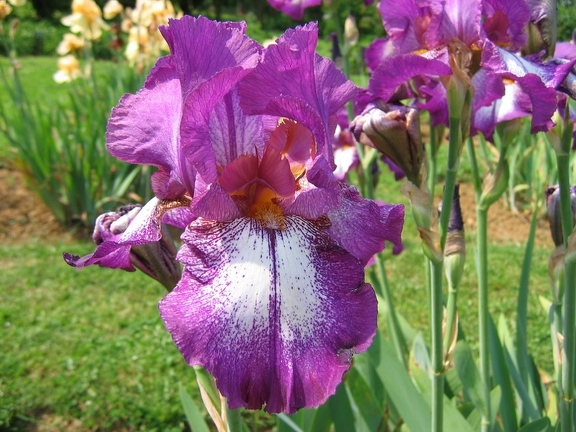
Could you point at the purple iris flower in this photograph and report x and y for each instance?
(272, 299)
(429, 39)
(293, 8)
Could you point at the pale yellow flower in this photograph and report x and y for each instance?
(68, 69)
(86, 18)
(112, 8)
(70, 43)
(17, 3)
(5, 9)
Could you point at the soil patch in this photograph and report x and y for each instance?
(504, 226)
(23, 217)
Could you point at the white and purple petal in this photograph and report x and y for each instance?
(274, 315)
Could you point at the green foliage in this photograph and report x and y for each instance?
(566, 22)
(61, 147)
(78, 348)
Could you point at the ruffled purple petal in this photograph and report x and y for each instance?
(293, 8)
(514, 104)
(293, 81)
(397, 70)
(377, 51)
(361, 226)
(505, 22)
(453, 19)
(318, 192)
(144, 128)
(538, 81)
(565, 50)
(398, 19)
(201, 49)
(275, 316)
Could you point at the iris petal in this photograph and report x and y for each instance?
(270, 313)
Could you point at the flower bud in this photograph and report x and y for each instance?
(394, 130)
(351, 34)
(554, 212)
(541, 29)
(156, 259)
(494, 185)
(455, 250)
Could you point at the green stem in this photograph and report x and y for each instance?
(234, 419)
(437, 274)
(482, 270)
(482, 246)
(569, 318)
(451, 313)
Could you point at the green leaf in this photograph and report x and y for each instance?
(470, 376)
(453, 419)
(287, 424)
(367, 410)
(207, 382)
(341, 410)
(540, 425)
(193, 415)
(503, 380)
(405, 396)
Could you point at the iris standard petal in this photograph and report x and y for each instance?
(201, 49)
(270, 313)
(397, 70)
(293, 81)
(137, 134)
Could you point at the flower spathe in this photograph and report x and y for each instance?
(272, 299)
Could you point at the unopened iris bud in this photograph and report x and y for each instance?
(156, 259)
(554, 212)
(541, 29)
(351, 34)
(394, 130)
(455, 250)
(494, 185)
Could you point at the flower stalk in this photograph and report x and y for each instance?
(569, 318)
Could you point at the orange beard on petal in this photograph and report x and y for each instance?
(268, 214)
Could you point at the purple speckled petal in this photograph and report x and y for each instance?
(361, 226)
(395, 71)
(293, 8)
(293, 81)
(274, 315)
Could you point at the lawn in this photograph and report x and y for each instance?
(87, 348)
